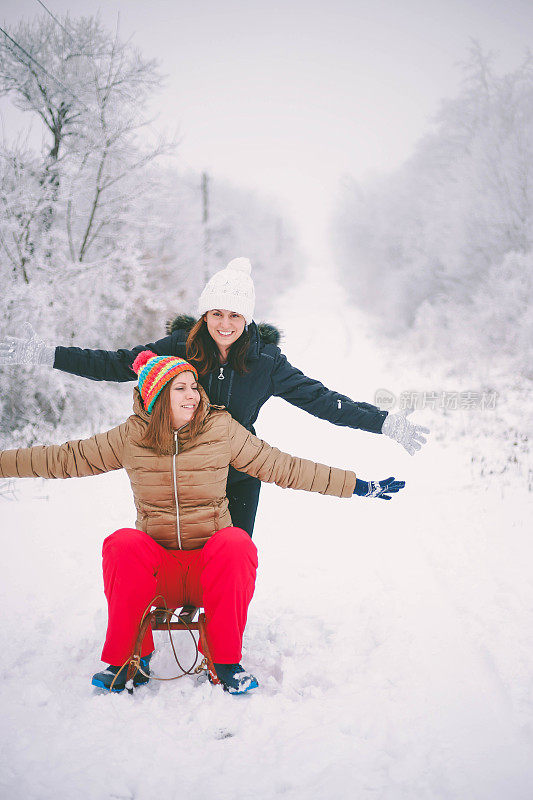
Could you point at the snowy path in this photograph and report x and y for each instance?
(393, 641)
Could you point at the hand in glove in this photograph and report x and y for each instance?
(28, 349)
(398, 427)
(380, 489)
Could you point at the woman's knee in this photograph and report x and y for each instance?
(234, 537)
(126, 540)
(231, 543)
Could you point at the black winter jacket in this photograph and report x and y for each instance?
(269, 374)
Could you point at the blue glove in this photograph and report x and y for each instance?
(378, 488)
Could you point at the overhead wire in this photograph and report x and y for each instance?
(159, 136)
(148, 124)
(154, 130)
(48, 74)
(127, 100)
(54, 18)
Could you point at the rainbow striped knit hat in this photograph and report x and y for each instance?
(155, 372)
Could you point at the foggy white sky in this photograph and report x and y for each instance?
(287, 96)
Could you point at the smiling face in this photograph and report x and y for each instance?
(224, 327)
(184, 399)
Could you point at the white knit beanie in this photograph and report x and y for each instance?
(231, 289)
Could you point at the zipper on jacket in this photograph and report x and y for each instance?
(216, 396)
(176, 489)
(218, 390)
(232, 373)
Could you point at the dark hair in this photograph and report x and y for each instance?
(202, 351)
(159, 434)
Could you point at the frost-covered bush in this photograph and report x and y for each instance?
(442, 248)
(503, 307)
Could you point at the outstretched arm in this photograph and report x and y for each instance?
(98, 365)
(255, 457)
(76, 459)
(312, 396)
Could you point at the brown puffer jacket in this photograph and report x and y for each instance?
(192, 481)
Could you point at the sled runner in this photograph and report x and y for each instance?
(162, 618)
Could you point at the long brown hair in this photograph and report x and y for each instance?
(159, 434)
(202, 351)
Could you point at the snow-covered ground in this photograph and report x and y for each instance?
(393, 641)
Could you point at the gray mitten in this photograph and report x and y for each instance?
(28, 349)
(398, 427)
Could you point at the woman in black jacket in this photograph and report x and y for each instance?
(240, 367)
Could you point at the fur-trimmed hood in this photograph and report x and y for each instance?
(268, 333)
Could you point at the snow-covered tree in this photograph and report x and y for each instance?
(99, 244)
(424, 248)
(90, 91)
(68, 251)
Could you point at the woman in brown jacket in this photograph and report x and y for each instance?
(239, 365)
(177, 450)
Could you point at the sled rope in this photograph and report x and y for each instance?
(134, 660)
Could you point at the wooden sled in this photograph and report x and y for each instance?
(160, 618)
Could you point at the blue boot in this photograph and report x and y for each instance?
(105, 678)
(235, 679)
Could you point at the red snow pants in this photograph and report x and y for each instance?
(220, 577)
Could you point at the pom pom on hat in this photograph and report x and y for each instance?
(241, 265)
(155, 372)
(142, 358)
(232, 289)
